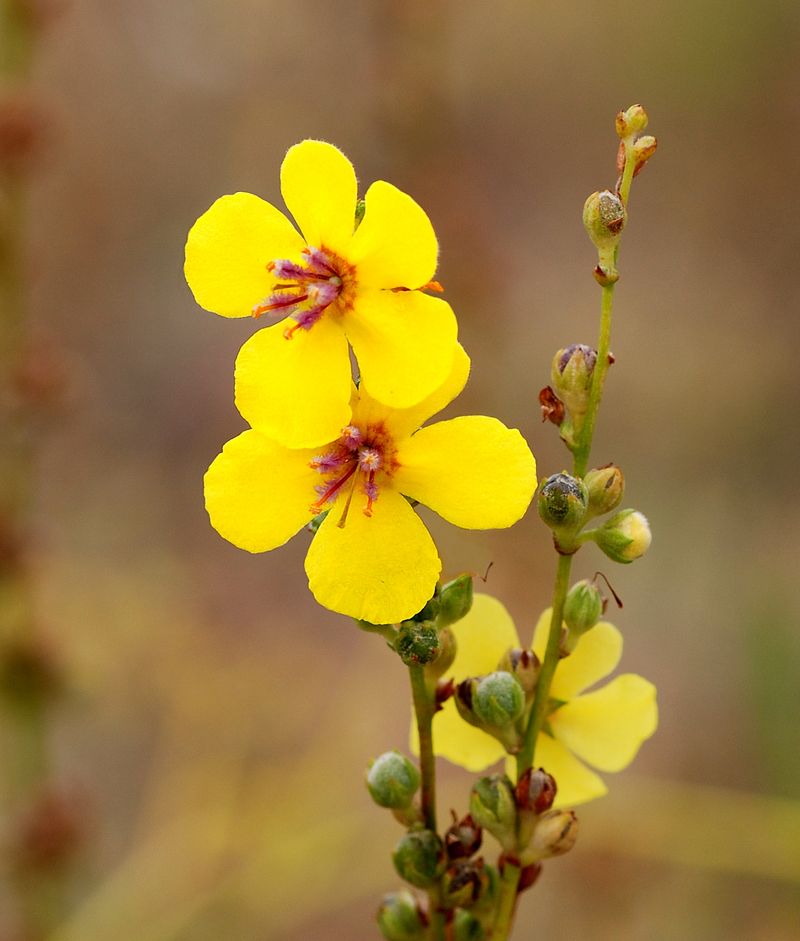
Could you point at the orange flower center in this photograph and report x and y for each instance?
(359, 457)
(306, 290)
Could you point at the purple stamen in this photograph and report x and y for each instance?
(351, 437)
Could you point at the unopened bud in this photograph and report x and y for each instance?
(643, 150)
(499, 699)
(466, 927)
(400, 919)
(392, 780)
(555, 834)
(632, 121)
(604, 218)
(536, 791)
(562, 502)
(625, 537)
(455, 600)
(463, 838)
(492, 806)
(463, 883)
(571, 375)
(583, 608)
(525, 666)
(605, 486)
(419, 858)
(445, 656)
(417, 643)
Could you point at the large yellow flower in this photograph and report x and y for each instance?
(336, 283)
(604, 727)
(372, 557)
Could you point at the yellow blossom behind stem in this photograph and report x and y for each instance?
(604, 727)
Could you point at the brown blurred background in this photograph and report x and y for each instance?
(220, 722)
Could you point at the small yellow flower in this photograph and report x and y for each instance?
(336, 284)
(372, 558)
(604, 727)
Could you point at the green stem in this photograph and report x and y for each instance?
(424, 709)
(581, 461)
(506, 903)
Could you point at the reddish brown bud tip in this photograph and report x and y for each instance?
(536, 791)
(463, 838)
(528, 876)
(552, 406)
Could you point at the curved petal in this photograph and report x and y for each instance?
(381, 569)
(459, 742)
(402, 422)
(576, 783)
(295, 390)
(607, 727)
(473, 471)
(395, 245)
(596, 655)
(319, 188)
(404, 342)
(482, 636)
(258, 493)
(228, 250)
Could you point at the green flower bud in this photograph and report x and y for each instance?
(562, 502)
(463, 838)
(417, 643)
(445, 656)
(632, 121)
(498, 699)
(571, 375)
(583, 607)
(605, 486)
(419, 858)
(455, 600)
(392, 780)
(525, 666)
(555, 834)
(604, 218)
(400, 919)
(463, 883)
(625, 537)
(492, 806)
(466, 927)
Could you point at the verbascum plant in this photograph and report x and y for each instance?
(338, 397)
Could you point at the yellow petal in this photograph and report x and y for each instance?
(607, 727)
(540, 633)
(395, 245)
(576, 783)
(596, 656)
(473, 471)
(404, 342)
(402, 422)
(320, 190)
(258, 493)
(482, 637)
(228, 250)
(297, 390)
(460, 742)
(382, 568)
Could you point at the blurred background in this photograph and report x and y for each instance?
(217, 722)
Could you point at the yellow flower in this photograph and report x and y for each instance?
(372, 558)
(337, 286)
(604, 727)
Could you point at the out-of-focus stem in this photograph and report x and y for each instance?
(424, 709)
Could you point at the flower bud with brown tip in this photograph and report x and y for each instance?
(554, 835)
(606, 487)
(536, 790)
(462, 838)
(400, 918)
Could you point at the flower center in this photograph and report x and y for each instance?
(360, 457)
(305, 290)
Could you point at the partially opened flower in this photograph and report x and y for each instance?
(336, 283)
(605, 727)
(372, 558)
